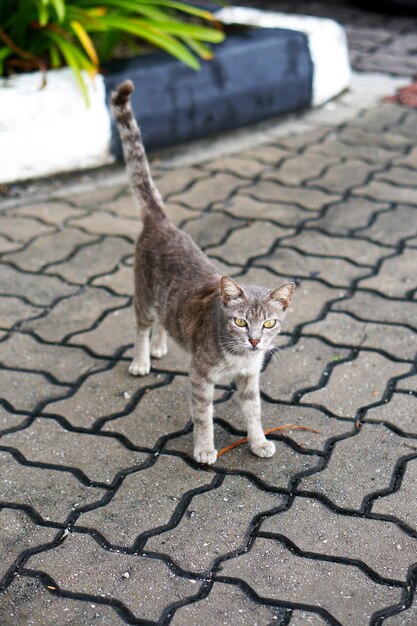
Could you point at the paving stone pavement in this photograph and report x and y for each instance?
(105, 518)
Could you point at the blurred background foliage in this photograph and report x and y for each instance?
(82, 34)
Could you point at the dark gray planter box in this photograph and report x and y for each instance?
(255, 75)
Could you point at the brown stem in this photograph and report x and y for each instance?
(239, 442)
(37, 62)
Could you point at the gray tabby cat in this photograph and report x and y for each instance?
(227, 328)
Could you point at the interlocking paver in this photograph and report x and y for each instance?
(91, 199)
(356, 250)
(299, 168)
(74, 314)
(345, 536)
(340, 178)
(310, 199)
(160, 412)
(270, 154)
(51, 493)
(408, 383)
(350, 214)
(356, 384)
(18, 533)
(66, 364)
(48, 249)
(340, 328)
(217, 524)
(227, 605)
(80, 565)
(211, 229)
(299, 367)
(244, 206)
(24, 391)
(405, 618)
(341, 591)
(396, 277)
(120, 281)
(392, 226)
(21, 230)
(242, 167)
(370, 457)
(301, 618)
(115, 331)
(101, 222)
(380, 190)
(38, 289)
(178, 179)
(10, 420)
(6, 245)
(399, 411)
(398, 176)
(98, 258)
(54, 213)
(409, 160)
(292, 264)
(145, 501)
(254, 240)
(99, 458)
(26, 597)
(14, 310)
(100, 395)
(369, 306)
(211, 189)
(386, 140)
(401, 503)
(338, 148)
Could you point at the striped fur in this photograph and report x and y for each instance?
(178, 290)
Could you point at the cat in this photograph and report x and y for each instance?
(227, 328)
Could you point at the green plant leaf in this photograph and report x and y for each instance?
(59, 6)
(172, 4)
(4, 53)
(43, 15)
(69, 52)
(199, 48)
(154, 36)
(54, 56)
(86, 42)
(191, 30)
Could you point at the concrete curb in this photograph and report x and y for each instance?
(35, 142)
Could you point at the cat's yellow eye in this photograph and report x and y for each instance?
(240, 322)
(270, 323)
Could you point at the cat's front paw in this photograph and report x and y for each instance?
(159, 351)
(208, 456)
(139, 368)
(264, 449)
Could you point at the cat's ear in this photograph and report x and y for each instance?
(229, 290)
(283, 295)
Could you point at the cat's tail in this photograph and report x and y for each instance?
(143, 187)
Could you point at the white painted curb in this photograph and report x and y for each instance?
(326, 39)
(47, 131)
(50, 130)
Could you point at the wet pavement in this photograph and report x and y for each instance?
(104, 516)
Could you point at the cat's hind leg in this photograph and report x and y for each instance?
(141, 362)
(159, 346)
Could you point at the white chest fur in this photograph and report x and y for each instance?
(237, 365)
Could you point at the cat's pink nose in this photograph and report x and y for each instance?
(254, 342)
